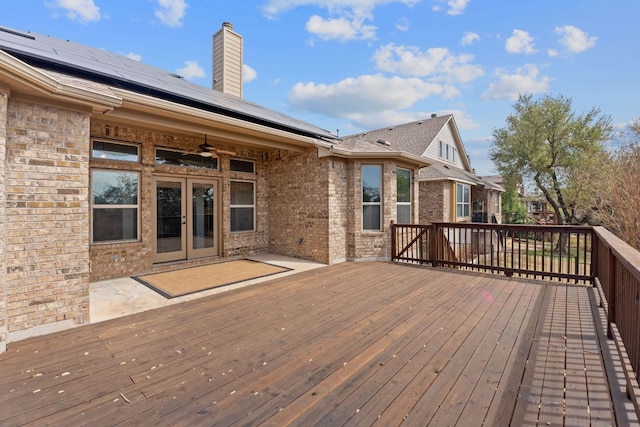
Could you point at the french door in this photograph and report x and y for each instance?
(186, 218)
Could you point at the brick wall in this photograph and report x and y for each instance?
(4, 98)
(125, 259)
(340, 209)
(299, 205)
(47, 217)
(366, 244)
(435, 201)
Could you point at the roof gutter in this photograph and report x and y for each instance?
(205, 121)
(26, 75)
(327, 149)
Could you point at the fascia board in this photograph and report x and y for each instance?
(25, 75)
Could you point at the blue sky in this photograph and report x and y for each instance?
(353, 65)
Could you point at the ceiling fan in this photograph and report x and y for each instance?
(207, 150)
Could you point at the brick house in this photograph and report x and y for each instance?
(449, 189)
(99, 155)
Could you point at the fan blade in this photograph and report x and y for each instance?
(230, 153)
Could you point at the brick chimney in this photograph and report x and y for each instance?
(227, 60)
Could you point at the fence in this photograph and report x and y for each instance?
(553, 252)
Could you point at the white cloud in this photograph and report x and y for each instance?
(248, 73)
(357, 99)
(469, 38)
(134, 56)
(438, 63)
(552, 53)
(341, 29)
(455, 7)
(171, 12)
(403, 24)
(191, 70)
(526, 79)
(277, 7)
(520, 42)
(574, 39)
(79, 10)
(463, 120)
(346, 21)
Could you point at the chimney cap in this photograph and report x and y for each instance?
(434, 115)
(228, 25)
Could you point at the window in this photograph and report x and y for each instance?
(115, 205)
(403, 201)
(242, 166)
(462, 200)
(242, 206)
(448, 152)
(115, 151)
(371, 197)
(497, 202)
(177, 158)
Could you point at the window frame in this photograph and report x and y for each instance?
(236, 206)
(447, 152)
(253, 167)
(463, 203)
(107, 141)
(403, 204)
(369, 203)
(95, 207)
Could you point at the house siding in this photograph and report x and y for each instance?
(445, 135)
(47, 217)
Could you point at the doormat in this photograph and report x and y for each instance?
(176, 283)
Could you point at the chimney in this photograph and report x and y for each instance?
(227, 60)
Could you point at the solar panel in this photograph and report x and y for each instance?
(100, 64)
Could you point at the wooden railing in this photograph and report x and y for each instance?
(617, 277)
(553, 252)
(589, 255)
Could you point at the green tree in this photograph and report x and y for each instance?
(546, 144)
(513, 211)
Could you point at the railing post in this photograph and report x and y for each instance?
(433, 245)
(595, 244)
(394, 249)
(611, 292)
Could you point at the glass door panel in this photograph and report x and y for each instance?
(203, 219)
(185, 219)
(170, 220)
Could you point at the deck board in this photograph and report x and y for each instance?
(352, 344)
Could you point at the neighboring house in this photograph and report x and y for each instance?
(110, 168)
(450, 191)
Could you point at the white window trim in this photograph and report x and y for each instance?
(447, 152)
(232, 206)
(463, 203)
(379, 203)
(410, 202)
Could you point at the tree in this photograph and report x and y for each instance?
(614, 188)
(546, 144)
(513, 211)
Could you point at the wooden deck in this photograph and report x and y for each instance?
(351, 344)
